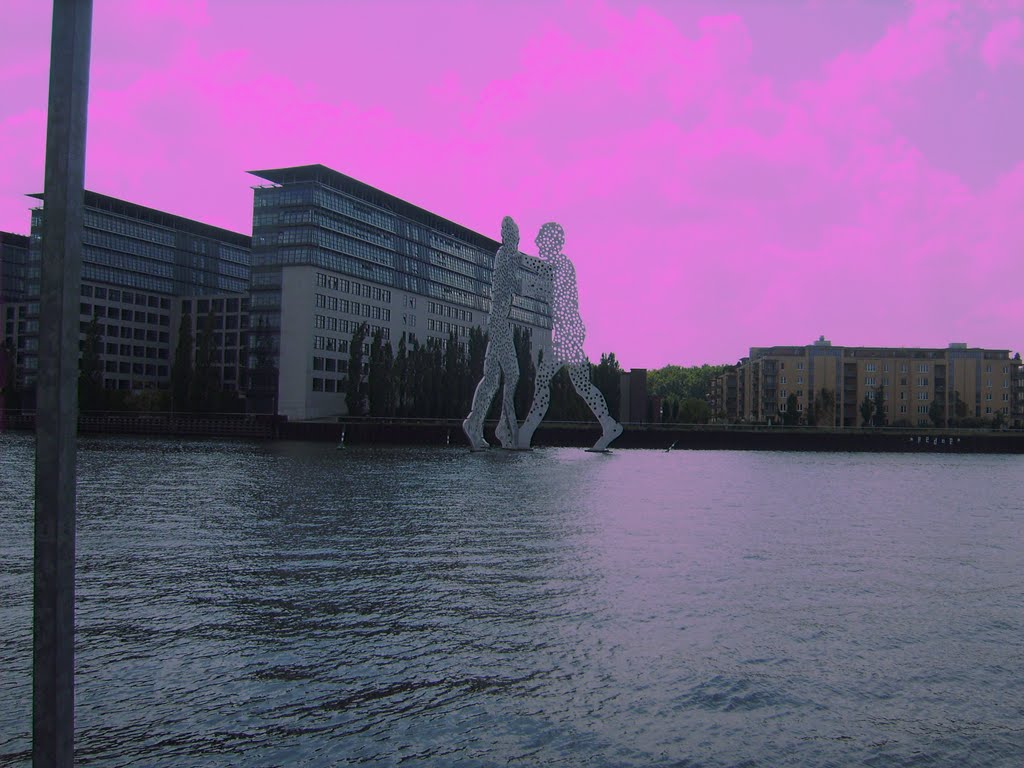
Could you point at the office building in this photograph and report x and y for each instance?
(13, 267)
(331, 253)
(137, 263)
(915, 383)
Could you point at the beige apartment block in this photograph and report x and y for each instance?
(986, 383)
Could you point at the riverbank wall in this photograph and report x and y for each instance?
(366, 431)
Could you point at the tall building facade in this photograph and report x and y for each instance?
(138, 263)
(331, 253)
(13, 267)
(914, 383)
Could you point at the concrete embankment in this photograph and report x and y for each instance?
(449, 432)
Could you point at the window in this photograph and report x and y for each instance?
(1006, 397)
(318, 385)
(988, 395)
(922, 409)
(988, 409)
(799, 366)
(1006, 383)
(799, 379)
(922, 381)
(922, 367)
(869, 381)
(869, 367)
(318, 362)
(903, 367)
(885, 367)
(922, 395)
(988, 368)
(782, 380)
(903, 409)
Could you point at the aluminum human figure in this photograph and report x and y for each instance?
(500, 357)
(557, 283)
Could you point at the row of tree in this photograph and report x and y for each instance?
(874, 413)
(435, 380)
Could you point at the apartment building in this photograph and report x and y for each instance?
(962, 382)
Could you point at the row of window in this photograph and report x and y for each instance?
(457, 313)
(128, 245)
(440, 326)
(125, 297)
(328, 385)
(129, 227)
(99, 310)
(358, 289)
(354, 308)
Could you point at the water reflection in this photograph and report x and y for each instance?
(271, 604)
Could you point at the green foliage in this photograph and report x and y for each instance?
(791, 416)
(605, 376)
(867, 408)
(204, 387)
(937, 414)
(181, 369)
(674, 381)
(90, 371)
(354, 396)
(527, 372)
(879, 416)
(690, 410)
(959, 408)
(825, 408)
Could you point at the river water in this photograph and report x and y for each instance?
(289, 604)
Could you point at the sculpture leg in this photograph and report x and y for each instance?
(611, 429)
(507, 431)
(473, 425)
(539, 406)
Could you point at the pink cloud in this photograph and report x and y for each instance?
(709, 204)
(1002, 45)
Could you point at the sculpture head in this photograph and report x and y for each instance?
(550, 239)
(509, 232)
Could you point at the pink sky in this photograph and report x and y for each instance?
(729, 174)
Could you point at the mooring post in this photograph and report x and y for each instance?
(53, 670)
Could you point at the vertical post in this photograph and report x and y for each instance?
(53, 671)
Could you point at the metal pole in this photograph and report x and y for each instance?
(53, 671)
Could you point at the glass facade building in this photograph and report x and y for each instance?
(13, 267)
(331, 252)
(138, 264)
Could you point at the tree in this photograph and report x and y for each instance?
(605, 376)
(376, 381)
(181, 369)
(674, 381)
(867, 408)
(694, 410)
(354, 398)
(262, 375)
(997, 419)
(523, 396)
(879, 418)
(400, 378)
(90, 370)
(791, 416)
(204, 390)
(937, 413)
(825, 408)
(959, 408)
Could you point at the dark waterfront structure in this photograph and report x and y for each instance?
(138, 264)
(331, 253)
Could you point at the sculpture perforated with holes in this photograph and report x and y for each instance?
(557, 283)
(500, 357)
